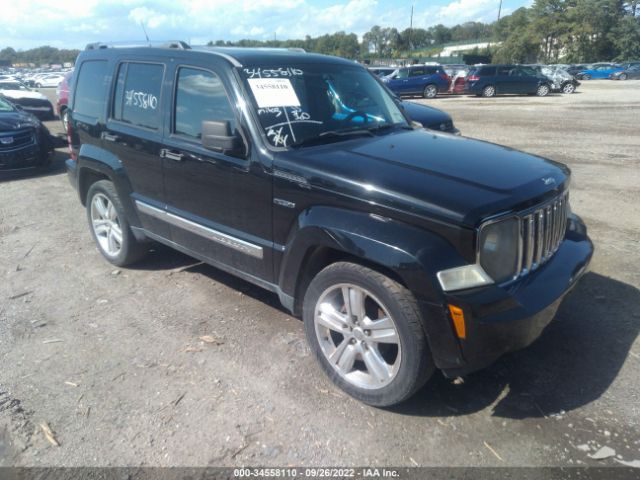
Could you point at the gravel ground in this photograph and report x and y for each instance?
(113, 362)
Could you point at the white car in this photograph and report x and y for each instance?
(28, 100)
(49, 81)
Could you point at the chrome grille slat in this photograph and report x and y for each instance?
(529, 224)
(542, 232)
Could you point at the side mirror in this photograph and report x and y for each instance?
(217, 136)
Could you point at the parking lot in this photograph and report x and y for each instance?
(176, 363)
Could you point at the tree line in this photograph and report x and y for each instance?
(550, 31)
(38, 56)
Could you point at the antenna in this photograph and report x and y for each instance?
(144, 30)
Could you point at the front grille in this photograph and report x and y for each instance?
(14, 140)
(542, 232)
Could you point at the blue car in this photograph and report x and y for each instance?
(424, 80)
(599, 71)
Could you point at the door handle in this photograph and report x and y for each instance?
(110, 137)
(171, 155)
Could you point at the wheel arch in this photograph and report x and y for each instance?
(325, 235)
(96, 164)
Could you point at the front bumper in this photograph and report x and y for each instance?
(26, 157)
(501, 319)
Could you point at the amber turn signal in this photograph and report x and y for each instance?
(457, 315)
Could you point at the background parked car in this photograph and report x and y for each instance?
(425, 80)
(62, 100)
(30, 101)
(50, 80)
(492, 80)
(382, 71)
(632, 72)
(431, 118)
(24, 141)
(599, 71)
(561, 80)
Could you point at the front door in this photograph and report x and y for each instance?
(218, 205)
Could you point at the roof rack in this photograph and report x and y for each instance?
(177, 44)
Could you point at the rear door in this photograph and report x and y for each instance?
(133, 134)
(504, 80)
(417, 80)
(219, 205)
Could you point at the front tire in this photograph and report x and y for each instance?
(622, 76)
(489, 91)
(586, 77)
(568, 88)
(366, 333)
(430, 91)
(543, 90)
(109, 226)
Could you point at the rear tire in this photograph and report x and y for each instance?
(489, 91)
(109, 226)
(430, 91)
(374, 349)
(586, 77)
(623, 76)
(543, 90)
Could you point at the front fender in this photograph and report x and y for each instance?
(413, 254)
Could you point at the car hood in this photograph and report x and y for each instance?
(424, 114)
(429, 174)
(23, 94)
(16, 120)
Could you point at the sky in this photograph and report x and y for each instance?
(74, 23)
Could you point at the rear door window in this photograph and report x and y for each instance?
(487, 71)
(91, 89)
(418, 72)
(137, 98)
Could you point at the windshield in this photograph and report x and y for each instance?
(5, 106)
(298, 104)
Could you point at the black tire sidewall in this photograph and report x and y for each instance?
(131, 249)
(413, 372)
(484, 90)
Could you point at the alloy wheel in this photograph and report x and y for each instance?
(357, 336)
(569, 88)
(430, 91)
(543, 90)
(489, 91)
(106, 225)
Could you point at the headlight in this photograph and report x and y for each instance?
(499, 254)
(499, 248)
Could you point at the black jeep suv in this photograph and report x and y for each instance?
(404, 250)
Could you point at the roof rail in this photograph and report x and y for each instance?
(177, 44)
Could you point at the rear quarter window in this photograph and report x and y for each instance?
(487, 71)
(91, 90)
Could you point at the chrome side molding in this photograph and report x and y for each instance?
(198, 229)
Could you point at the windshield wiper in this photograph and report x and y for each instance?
(332, 134)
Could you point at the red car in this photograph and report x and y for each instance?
(62, 95)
